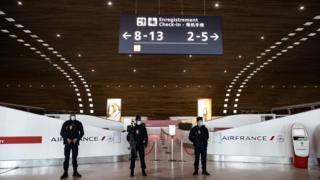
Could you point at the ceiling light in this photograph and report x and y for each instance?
(278, 43)
(299, 29)
(301, 8)
(296, 43)
(81, 111)
(90, 99)
(262, 37)
(19, 26)
(27, 31)
(312, 34)
(26, 44)
(268, 50)
(79, 55)
(89, 94)
(216, 5)
(19, 3)
(272, 47)
(184, 71)
(45, 44)
(318, 29)
(225, 71)
(40, 40)
(308, 23)
(258, 57)
(13, 36)
(32, 48)
(291, 34)
(226, 100)
(235, 105)
(4, 31)
(289, 47)
(284, 50)
(235, 111)
(2, 13)
(284, 39)
(225, 111)
(80, 105)
(20, 40)
(91, 111)
(33, 36)
(279, 54)
(316, 17)
(236, 100)
(58, 35)
(225, 105)
(10, 19)
(110, 3)
(303, 39)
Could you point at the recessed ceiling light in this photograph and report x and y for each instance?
(190, 55)
(225, 111)
(318, 29)
(262, 54)
(239, 56)
(296, 43)
(19, 3)
(226, 100)
(279, 54)
(19, 25)
(289, 47)
(50, 48)
(272, 47)
(110, 3)
(216, 5)
(93, 70)
(274, 57)
(20, 40)
(308, 23)
(27, 31)
(26, 44)
(225, 71)
(303, 39)
(284, 50)
(262, 37)
(317, 17)
(40, 40)
(91, 111)
(301, 8)
(299, 29)
(2, 13)
(278, 43)
(258, 57)
(312, 34)
(284, 39)
(10, 19)
(268, 50)
(45, 44)
(184, 70)
(32, 48)
(58, 35)
(134, 70)
(33, 36)
(291, 34)
(79, 55)
(4, 31)
(13, 36)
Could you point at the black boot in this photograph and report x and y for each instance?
(195, 173)
(144, 172)
(76, 174)
(205, 173)
(64, 175)
(132, 173)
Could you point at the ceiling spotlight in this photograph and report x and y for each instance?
(301, 8)
(93, 70)
(239, 56)
(190, 55)
(262, 37)
(216, 5)
(19, 3)
(134, 70)
(184, 70)
(109, 3)
(130, 55)
(58, 35)
(79, 55)
(225, 71)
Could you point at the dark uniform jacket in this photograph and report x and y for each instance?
(139, 135)
(199, 135)
(72, 129)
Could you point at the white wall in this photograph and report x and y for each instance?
(19, 123)
(235, 121)
(279, 146)
(92, 121)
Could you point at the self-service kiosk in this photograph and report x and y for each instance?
(301, 144)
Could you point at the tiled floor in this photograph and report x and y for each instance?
(170, 170)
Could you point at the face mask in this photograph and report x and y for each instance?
(200, 124)
(138, 122)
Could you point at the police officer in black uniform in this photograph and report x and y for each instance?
(199, 136)
(71, 132)
(138, 139)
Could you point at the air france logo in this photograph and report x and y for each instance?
(152, 21)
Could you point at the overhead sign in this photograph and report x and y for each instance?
(170, 35)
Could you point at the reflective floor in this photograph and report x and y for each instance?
(164, 169)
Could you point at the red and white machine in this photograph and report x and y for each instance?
(301, 144)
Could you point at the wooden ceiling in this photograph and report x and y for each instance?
(159, 88)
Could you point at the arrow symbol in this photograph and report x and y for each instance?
(126, 35)
(215, 36)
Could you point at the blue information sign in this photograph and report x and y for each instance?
(170, 35)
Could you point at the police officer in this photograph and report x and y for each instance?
(71, 132)
(138, 139)
(199, 136)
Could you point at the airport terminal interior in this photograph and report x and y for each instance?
(234, 85)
